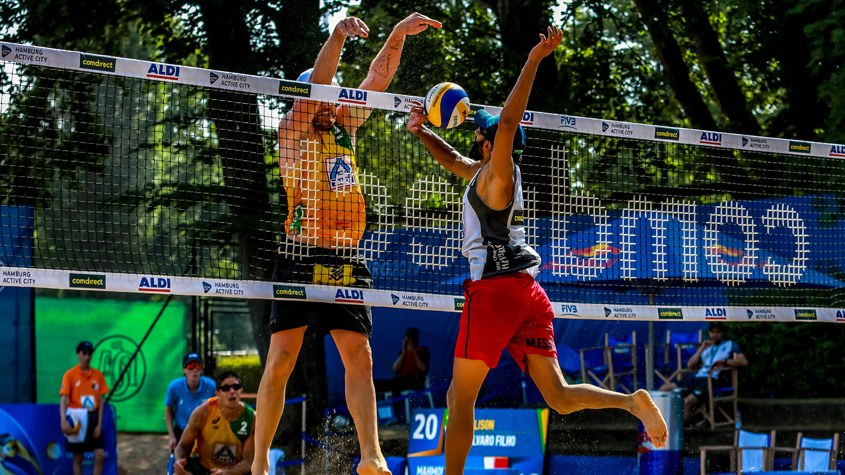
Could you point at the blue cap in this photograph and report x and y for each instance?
(191, 357)
(305, 75)
(490, 125)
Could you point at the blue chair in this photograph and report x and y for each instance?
(611, 366)
(677, 351)
(815, 455)
(751, 452)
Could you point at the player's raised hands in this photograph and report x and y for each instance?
(417, 118)
(415, 23)
(352, 26)
(547, 43)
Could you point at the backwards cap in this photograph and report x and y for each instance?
(490, 124)
(304, 76)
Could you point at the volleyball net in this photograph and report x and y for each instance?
(137, 176)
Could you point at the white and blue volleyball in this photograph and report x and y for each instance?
(446, 105)
(73, 422)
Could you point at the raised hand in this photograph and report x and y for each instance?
(415, 23)
(417, 118)
(352, 26)
(547, 44)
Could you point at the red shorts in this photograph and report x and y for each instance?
(510, 311)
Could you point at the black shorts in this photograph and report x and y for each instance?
(698, 386)
(319, 266)
(90, 443)
(193, 465)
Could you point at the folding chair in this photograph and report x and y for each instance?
(677, 351)
(722, 404)
(751, 452)
(604, 365)
(814, 455)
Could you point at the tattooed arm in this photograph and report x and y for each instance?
(385, 64)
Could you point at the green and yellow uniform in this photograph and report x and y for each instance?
(220, 444)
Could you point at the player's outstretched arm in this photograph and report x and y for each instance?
(195, 425)
(296, 121)
(444, 153)
(384, 66)
(514, 108)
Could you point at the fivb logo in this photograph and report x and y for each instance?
(527, 118)
(567, 122)
(352, 96)
(154, 284)
(569, 310)
(715, 314)
(349, 296)
(711, 138)
(163, 71)
(837, 151)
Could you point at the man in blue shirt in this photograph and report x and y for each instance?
(712, 355)
(184, 395)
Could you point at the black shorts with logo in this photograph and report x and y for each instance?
(90, 443)
(320, 266)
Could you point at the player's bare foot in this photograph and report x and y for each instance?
(648, 413)
(375, 466)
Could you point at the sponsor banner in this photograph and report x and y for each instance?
(87, 281)
(806, 314)
(675, 313)
(234, 81)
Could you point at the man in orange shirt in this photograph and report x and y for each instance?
(82, 391)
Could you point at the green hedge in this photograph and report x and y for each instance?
(791, 360)
(247, 367)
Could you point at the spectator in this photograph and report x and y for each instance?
(218, 446)
(81, 396)
(184, 395)
(411, 367)
(712, 355)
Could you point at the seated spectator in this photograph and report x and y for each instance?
(220, 435)
(711, 356)
(184, 395)
(411, 367)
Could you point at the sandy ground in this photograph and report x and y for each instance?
(139, 454)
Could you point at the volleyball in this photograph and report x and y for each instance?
(73, 422)
(446, 105)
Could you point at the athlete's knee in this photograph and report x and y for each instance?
(280, 360)
(359, 354)
(99, 456)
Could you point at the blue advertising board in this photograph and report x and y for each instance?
(505, 442)
(32, 443)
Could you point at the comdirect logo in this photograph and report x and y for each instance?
(154, 284)
(293, 88)
(349, 296)
(805, 314)
(96, 63)
(711, 138)
(6, 50)
(115, 355)
(667, 133)
(352, 96)
(163, 71)
(213, 77)
(87, 281)
(289, 292)
(715, 314)
(670, 314)
(570, 310)
(800, 147)
(459, 304)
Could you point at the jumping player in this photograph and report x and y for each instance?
(326, 220)
(505, 307)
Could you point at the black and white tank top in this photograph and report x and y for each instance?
(494, 240)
